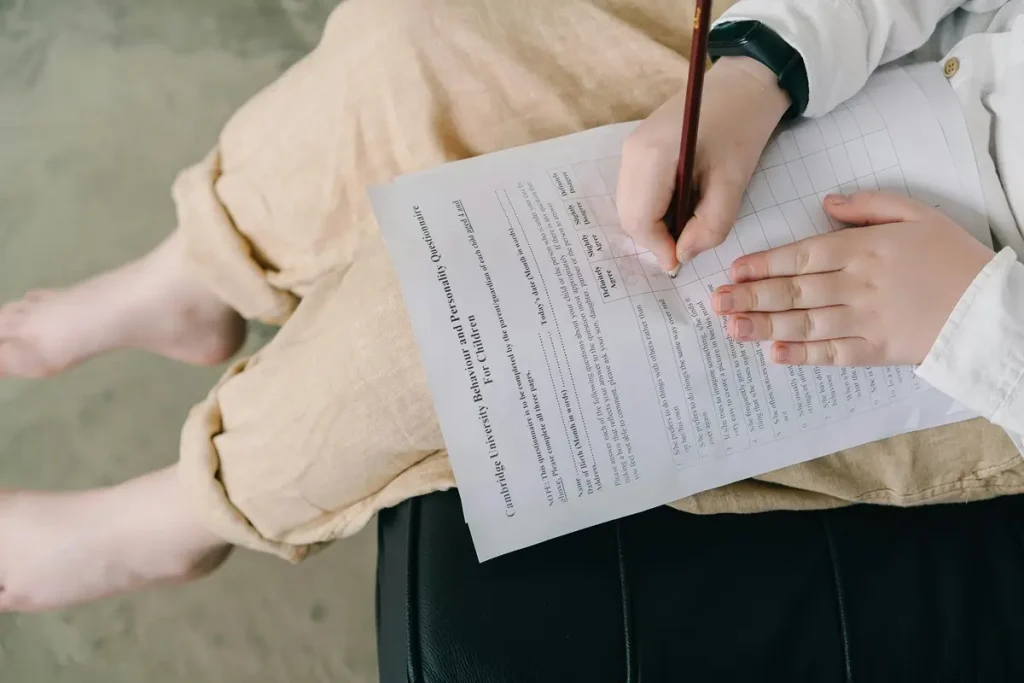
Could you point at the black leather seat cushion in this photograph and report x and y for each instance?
(862, 593)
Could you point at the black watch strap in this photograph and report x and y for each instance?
(755, 40)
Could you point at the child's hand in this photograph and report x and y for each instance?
(742, 105)
(875, 295)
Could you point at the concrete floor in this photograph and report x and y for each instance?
(101, 103)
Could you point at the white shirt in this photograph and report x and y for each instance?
(978, 358)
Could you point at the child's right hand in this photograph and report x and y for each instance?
(742, 105)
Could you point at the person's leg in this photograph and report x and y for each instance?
(154, 303)
(58, 549)
(304, 442)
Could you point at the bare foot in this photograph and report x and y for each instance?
(59, 549)
(153, 304)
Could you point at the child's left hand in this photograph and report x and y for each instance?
(876, 295)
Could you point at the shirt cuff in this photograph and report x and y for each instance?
(830, 37)
(978, 357)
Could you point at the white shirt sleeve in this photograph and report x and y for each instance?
(843, 41)
(978, 358)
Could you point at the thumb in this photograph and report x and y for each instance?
(654, 236)
(659, 241)
(713, 218)
(873, 208)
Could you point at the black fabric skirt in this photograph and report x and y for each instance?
(862, 593)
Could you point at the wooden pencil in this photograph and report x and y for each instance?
(685, 190)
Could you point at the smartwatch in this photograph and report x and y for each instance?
(755, 40)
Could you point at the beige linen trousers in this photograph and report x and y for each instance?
(303, 442)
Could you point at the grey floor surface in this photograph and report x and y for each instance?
(101, 103)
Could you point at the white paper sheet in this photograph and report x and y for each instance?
(576, 383)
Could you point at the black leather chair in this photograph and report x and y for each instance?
(857, 594)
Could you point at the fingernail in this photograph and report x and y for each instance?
(675, 271)
(743, 272)
(725, 302)
(782, 354)
(837, 199)
(686, 256)
(744, 327)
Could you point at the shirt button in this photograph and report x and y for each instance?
(951, 66)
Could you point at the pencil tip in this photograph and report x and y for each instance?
(675, 271)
